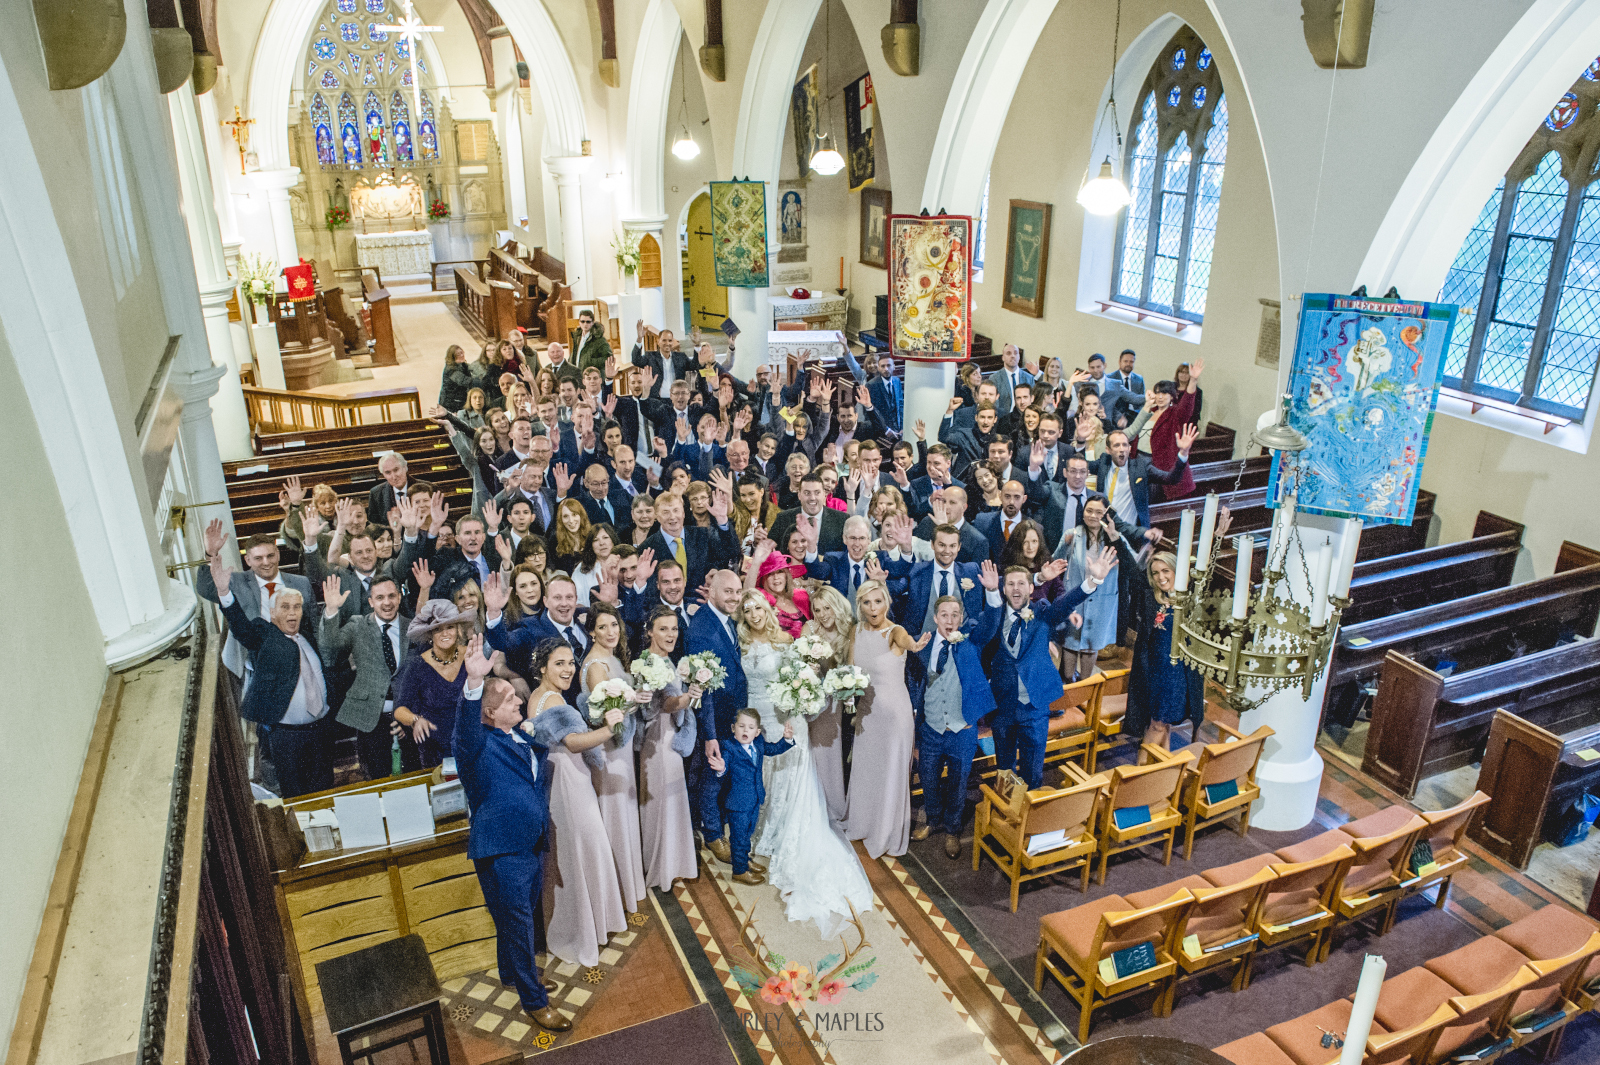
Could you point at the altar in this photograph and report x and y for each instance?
(824, 311)
(404, 254)
(790, 349)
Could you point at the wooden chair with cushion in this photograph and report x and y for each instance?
(1373, 880)
(1113, 707)
(1216, 765)
(1544, 1005)
(1154, 786)
(1446, 829)
(1005, 822)
(1222, 923)
(1254, 1049)
(1301, 1038)
(1084, 936)
(1072, 730)
(1554, 929)
(1414, 998)
(1299, 905)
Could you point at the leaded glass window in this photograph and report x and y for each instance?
(360, 93)
(1165, 239)
(1527, 277)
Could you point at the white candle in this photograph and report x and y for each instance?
(1208, 529)
(1348, 546)
(1319, 583)
(1241, 577)
(1281, 532)
(1360, 1024)
(1185, 550)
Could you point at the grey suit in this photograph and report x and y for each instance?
(247, 593)
(1001, 379)
(317, 570)
(361, 637)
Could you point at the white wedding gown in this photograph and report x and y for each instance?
(810, 862)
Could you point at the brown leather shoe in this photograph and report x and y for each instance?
(922, 832)
(749, 876)
(720, 851)
(758, 863)
(952, 846)
(551, 987)
(552, 1020)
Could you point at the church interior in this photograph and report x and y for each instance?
(1328, 271)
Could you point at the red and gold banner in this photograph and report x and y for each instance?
(930, 286)
(302, 281)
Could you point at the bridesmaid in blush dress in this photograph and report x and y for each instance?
(583, 902)
(832, 623)
(615, 784)
(665, 739)
(879, 807)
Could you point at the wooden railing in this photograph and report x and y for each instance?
(489, 306)
(273, 411)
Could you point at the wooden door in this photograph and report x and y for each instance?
(708, 301)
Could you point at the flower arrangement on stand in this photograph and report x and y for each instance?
(797, 689)
(258, 278)
(846, 684)
(336, 217)
(611, 695)
(438, 211)
(627, 248)
(704, 669)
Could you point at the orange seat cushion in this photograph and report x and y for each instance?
(1068, 720)
(1548, 932)
(1072, 931)
(1255, 1049)
(1411, 997)
(1480, 966)
(1385, 821)
(1113, 707)
(1301, 1038)
(1313, 848)
(1153, 896)
(1224, 875)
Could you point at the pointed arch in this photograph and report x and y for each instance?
(650, 102)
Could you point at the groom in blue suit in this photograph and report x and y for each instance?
(711, 628)
(739, 768)
(950, 694)
(506, 777)
(916, 586)
(1024, 679)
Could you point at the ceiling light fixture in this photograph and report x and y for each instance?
(1106, 194)
(825, 158)
(685, 147)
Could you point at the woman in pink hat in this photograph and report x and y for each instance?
(771, 572)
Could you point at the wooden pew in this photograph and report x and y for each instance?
(1397, 583)
(1250, 514)
(1532, 773)
(1221, 475)
(1477, 630)
(487, 305)
(524, 282)
(1423, 723)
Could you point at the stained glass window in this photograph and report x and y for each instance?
(311, 69)
(427, 132)
(347, 7)
(330, 80)
(377, 127)
(322, 123)
(369, 76)
(376, 120)
(402, 48)
(377, 33)
(325, 48)
(375, 6)
(1527, 276)
(349, 31)
(402, 126)
(1166, 239)
(350, 132)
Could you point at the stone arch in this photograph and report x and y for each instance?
(275, 69)
(650, 102)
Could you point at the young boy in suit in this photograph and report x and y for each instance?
(741, 762)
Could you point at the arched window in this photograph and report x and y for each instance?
(1165, 239)
(1527, 278)
(366, 67)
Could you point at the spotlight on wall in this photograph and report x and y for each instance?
(826, 160)
(1106, 194)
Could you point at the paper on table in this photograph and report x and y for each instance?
(360, 821)
(408, 813)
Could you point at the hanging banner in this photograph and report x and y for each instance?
(739, 233)
(859, 104)
(930, 286)
(1362, 389)
(805, 111)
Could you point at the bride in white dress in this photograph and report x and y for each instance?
(809, 861)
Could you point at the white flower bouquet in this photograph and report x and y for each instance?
(653, 672)
(611, 695)
(797, 689)
(812, 649)
(704, 669)
(846, 684)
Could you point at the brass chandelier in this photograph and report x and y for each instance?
(1260, 637)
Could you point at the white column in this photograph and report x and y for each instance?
(277, 184)
(567, 169)
(211, 274)
(219, 159)
(751, 311)
(929, 386)
(201, 446)
(1290, 772)
(652, 301)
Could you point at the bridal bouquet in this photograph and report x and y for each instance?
(653, 672)
(846, 684)
(813, 650)
(611, 695)
(704, 669)
(797, 689)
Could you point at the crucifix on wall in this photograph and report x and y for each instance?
(410, 30)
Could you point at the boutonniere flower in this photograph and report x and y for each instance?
(956, 637)
(966, 584)
(1027, 614)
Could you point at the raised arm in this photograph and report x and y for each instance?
(470, 734)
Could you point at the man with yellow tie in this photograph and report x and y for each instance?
(698, 550)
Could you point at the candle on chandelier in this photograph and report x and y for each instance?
(1208, 529)
(1241, 576)
(1348, 546)
(1319, 583)
(1282, 524)
(1180, 581)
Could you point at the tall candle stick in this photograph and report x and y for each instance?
(1319, 583)
(1185, 550)
(841, 271)
(1281, 532)
(1348, 546)
(1241, 577)
(1208, 528)
(1360, 1024)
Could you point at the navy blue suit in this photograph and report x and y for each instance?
(1020, 729)
(707, 632)
(922, 489)
(741, 780)
(944, 797)
(519, 641)
(700, 462)
(912, 584)
(621, 504)
(835, 568)
(510, 804)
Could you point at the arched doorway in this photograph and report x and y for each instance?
(705, 301)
